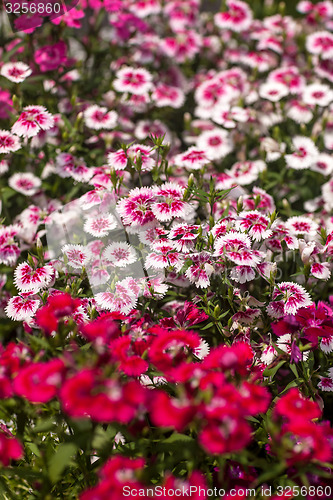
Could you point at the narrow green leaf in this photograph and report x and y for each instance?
(60, 460)
(272, 371)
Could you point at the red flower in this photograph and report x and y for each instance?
(39, 382)
(170, 412)
(10, 448)
(310, 442)
(116, 474)
(46, 319)
(88, 395)
(230, 434)
(193, 487)
(186, 316)
(62, 304)
(130, 362)
(294, 406)
(169, 349)
(254, 398)
(237, 357)
(103, 328)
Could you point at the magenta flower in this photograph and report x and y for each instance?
(10, 448)
(51, 57)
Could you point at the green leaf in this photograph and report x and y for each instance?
(294, 383)
(60, 460)
(178, 438)
(44, 425)
(102, 437)
(293, 369)
(34, 449)
(207, 326)
(272, 371)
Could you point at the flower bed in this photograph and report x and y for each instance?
(166, 250)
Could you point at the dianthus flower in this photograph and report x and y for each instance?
(294, 297)
(32, 120)
(39, 382)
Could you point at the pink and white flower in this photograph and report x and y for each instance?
(8, 142)
(320, 43)
(98, 117)
(118, 159)
(268, 355)
(27, 279)
(317, 94)
(238, 17)
(262, 61)
(145, 8)
(184, 46)
(135, 210)
(299, 112)
(237, 248)
(143, 152)
(301, 225)
(320, 270)
(228, 116)
(193, 158)
(323, 164)
(306, 153)
(169, 203)
(255, 223)
(327, 194)
(100, 225)
(120, 254)
(22, 307)
(16, 72)
(294, 297)
(184, 236)
(25, 183)
(242, 274)
(288, 76)
(4, 167)
(32, 121)
(273, 91)
(134, 80)
(326, 344)
(166, 95)
(246, 172)
(211, 93)
(201, 270)
(164, 255)
(69, 166)
(325, 384)
(122, 300)
(154, 287)
(216, 143)
(77, 255)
